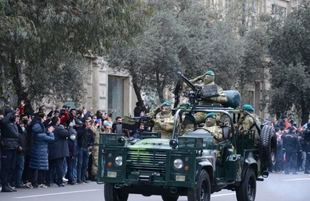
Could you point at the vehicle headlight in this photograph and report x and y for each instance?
(178, 163)
(119, 160)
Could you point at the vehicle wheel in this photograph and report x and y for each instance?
(203, 190)
(170, 197)
(268, 145)
(247, 189)
(113, 194)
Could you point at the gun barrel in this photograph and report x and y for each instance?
(186, 80)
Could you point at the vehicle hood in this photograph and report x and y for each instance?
(151, 143)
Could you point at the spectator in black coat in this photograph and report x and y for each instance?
(290, 146)
(85, 141)
(22, 124)
(58, 151)
(9, 143)
(73, 152)
(306, 148)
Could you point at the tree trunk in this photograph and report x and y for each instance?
(159, 87)
(304, 113)
(137, 88)
(243, 20)
(19, 89)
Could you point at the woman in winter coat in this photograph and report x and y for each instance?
(39, 150)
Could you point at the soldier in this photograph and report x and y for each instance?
(306, 148)
(163, 120)
(249, 121)
(207, 79)
(290, 148)
(214, 129)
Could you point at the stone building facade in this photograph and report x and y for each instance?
(107, 89)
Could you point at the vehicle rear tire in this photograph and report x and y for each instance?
(113, 194)
(203, 190)
(170, 197)
(247, 189)
(267, 147)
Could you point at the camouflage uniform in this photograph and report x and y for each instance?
(163, 120)
(164, 124)
(208, 79)
(95, 152)
(248, 121)
(211, 126)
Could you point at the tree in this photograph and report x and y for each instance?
(179, 35)
(152, 58)
(43, 43)
(289, 48)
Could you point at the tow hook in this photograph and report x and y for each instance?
(265, 174)
(260, 179)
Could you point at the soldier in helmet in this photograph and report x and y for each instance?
(249, 121)
(163, 119)
(213, 128)
(207, 79)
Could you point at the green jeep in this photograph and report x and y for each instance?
(190, 164)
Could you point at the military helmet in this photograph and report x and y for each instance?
(211, 115)
(166, 103)
(210, 72)
(248, 108)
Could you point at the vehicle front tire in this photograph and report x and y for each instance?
(169, 197)
(113, 194)
(247, 189)
(203, 190)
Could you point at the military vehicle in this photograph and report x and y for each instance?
(192, 163)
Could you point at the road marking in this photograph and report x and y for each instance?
(298, 179)
(224, 194)
(61, 193)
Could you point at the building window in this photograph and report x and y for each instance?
(116, 95)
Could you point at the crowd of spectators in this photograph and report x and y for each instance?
(293, 147)
(51, 147)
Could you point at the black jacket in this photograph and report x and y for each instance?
(73, 145)
(22, 140)
(85, 137)
(59, 147)
(9, 132)
(290, 142)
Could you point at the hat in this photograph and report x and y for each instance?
(248, 108)
(211, 115)
(210, 72)
(166, 103)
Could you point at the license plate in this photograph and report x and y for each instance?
(180, 178)
(112, 174)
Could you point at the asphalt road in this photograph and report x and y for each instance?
(277, 187)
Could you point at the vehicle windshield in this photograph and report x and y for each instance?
(201, 122)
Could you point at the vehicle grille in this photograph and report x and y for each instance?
(150, 161)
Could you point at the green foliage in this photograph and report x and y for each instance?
(180, 35)
(43, 43)
(289, 48)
